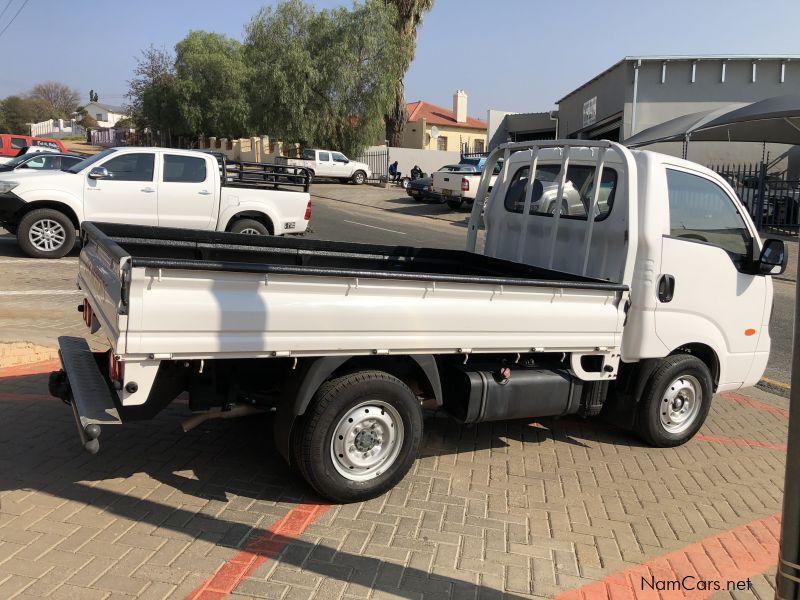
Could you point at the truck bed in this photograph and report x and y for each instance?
(207, 294)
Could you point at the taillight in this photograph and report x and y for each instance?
(429, 188)
(87, 313)
(307, 217)
(116, 370)
(464, 184)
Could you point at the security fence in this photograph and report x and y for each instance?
(378, 162)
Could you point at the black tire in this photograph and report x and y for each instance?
(249, 227)
(455, 203)
(313, 443)
(676, 374)
(311, 175)
(359, 177)
(35, 220)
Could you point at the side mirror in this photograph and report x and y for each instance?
(99, 173)
(773, 257)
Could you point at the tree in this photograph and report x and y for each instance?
(210, 82)
(16, 112)
(88, 122)
(408, 16)
(325, 78)
(152, 97)
(62, 98)
(93, 97)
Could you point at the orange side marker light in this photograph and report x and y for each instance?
(749, 332)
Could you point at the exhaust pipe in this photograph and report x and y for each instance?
(244, 410)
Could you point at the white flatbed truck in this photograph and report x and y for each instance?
(642, 312)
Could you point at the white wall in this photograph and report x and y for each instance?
(427, 160)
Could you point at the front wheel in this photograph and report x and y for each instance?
(359, 436)
(46, 233)
(676, 401)
(359, 177)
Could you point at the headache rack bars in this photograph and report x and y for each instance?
(262, 175)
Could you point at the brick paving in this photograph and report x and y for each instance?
(512, 510)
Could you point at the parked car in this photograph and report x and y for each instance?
(329, 164)
(460, 187)
(422, 188)
(151, 186)
(41, 161)
(644, 313)
(11, 145)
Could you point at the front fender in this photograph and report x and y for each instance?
(59, 196)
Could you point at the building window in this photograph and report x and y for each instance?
(478, 146)
(99, 117)
(441, 142)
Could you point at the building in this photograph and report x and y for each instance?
(432, 127)
(105, 114)
(642, 91)
(520, 127)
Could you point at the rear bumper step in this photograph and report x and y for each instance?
(83, 386)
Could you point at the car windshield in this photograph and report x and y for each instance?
(15, 162)
(80, 166)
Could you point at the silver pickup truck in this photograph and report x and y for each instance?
(641, 312)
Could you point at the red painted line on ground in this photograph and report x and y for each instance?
(756, 404)
(36, 368)
(257, 552)
(738, 442)
(733, 555)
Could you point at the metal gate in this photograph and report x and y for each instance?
(772, 199)
(378, 162)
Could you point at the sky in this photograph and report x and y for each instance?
(514, 55)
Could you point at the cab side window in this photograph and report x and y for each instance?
(184, 169)
(131, 167)
(701, 211)
(324, 157)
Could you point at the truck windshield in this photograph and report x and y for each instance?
(86, 162)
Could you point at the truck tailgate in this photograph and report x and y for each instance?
(100, 277)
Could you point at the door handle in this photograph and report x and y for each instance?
(666, 288)
(204, 193)
(148, 190)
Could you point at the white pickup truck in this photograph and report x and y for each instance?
(329, 164)
(152, 186)
(643, 312)
(461, 186)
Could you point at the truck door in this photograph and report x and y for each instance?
(186, 192)
(704, 292)
(325, 165)
(128, 195)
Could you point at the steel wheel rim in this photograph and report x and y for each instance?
(367, 440)
(47, 235)
(680, 404)
(250, 231)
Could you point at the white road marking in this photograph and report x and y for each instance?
(39, 292)
(374, 227)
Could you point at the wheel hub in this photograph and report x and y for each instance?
(681, 404)
(367, 440)
(47, 234)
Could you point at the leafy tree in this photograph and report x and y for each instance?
(325, 78)
(125, 123)
(88, 121)
(210, 85)
(408, 16)
(152, 96)
(93, 97)
(16, 112)
(61, 97)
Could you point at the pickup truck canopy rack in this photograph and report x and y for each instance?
(235, 173)
(157, 247)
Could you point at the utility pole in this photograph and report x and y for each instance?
(788, 577)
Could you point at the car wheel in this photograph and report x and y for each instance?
(359, 177)
(249, 227)
(46, 233)
(359, 436)
(676, 401)
(455, 203)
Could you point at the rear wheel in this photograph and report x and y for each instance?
(455, 203)
(249, 227)
(46, 233)
(359, 436)
(676, 401)
(359, 177)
